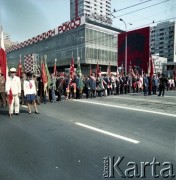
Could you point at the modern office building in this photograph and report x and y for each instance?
(91, 41)
(97, 10)
(163, 40)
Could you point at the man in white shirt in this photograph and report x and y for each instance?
(15, 85)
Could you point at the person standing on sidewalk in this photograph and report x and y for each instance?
(53, 88)
(145, 84)
(14, 84)
(30, 92)
(155, 83)
(162, 85)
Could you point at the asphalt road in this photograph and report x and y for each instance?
(68, 140)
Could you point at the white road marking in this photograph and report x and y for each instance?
(108, 133)
(127, 108)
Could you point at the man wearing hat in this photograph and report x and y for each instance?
(15, 85)
(2, 89)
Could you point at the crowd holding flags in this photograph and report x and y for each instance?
(107, 84)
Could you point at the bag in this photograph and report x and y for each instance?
(99, 88)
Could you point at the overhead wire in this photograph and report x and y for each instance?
(160, 21)
(140, 9)
(130, 6)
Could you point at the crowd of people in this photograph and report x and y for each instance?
(30, 90)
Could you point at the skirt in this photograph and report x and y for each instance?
(30, 97)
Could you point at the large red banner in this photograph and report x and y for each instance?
(137, 48)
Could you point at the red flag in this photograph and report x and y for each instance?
(72, 68)
(151, 66)
(109, 70)
(3, 62)
(97, 70)
(44, 75)
(55, 67)
(4, 69)
(10, 97)
(90, 70)
(19, 70)
(151, 70)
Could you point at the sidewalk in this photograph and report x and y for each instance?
(166, 104)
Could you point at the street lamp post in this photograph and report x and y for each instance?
(125, 44)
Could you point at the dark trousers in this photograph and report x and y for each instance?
(161, 90)
(3, 99)
(125, 89)
(59, 93)
(77, 93)
(108, 91)
(99, 93)
(92, 93)
(121, 89)
(145, 90)
(87, 92)
(117, 89)
(154, 90)
(22, 97)
(129, 89)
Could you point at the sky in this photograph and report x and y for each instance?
(24, 19)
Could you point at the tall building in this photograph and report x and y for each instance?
(163, 40)
(97, 10)
(7, 41)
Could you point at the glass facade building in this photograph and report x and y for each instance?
(91, 41)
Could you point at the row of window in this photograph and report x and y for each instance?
(101, 38)
(100, 55)
(166, 38)
(162, 34)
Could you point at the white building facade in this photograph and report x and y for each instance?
(163, 40)
(159, 63)
(98, 10)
